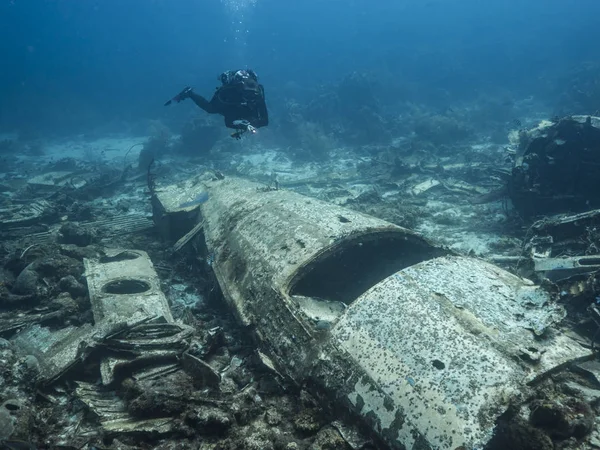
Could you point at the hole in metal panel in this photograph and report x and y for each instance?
(126, 286)
(352, 267)
(12, 405)
(438, 364)
(589, 261)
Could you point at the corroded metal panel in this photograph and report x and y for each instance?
(123, 286)
(429, 356)
(447, 343)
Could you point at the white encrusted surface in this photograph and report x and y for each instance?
(444, 340)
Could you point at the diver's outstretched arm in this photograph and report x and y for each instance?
(188, 92)
(202, 103)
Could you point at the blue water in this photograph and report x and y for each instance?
(69, 66)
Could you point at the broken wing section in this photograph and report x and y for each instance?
(446, 344)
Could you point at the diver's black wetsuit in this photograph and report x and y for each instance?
(237, 101)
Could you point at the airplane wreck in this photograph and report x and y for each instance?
(428, 349)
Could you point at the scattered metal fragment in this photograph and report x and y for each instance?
(112, 412)
(502, 259)
(591, 369)
(56, 351)
(462, 187)
(560, 268)
(424, 186)
(155, 372)
(144, 349)
(120, 225)
(26, 214)
(106, 229)
(200, 371)
(566, 224)
(188, 237)
(267, 363)
(8, 321)
(51, 181)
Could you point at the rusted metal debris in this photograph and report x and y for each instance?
(557, 167)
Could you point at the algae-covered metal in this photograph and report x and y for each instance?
(125, 291)
(124, 287)
(445, 345)
(428, 348)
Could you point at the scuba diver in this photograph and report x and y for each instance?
(240, 100)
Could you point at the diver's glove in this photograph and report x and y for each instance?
(242, 126)
(184, 94)
(181, 96)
